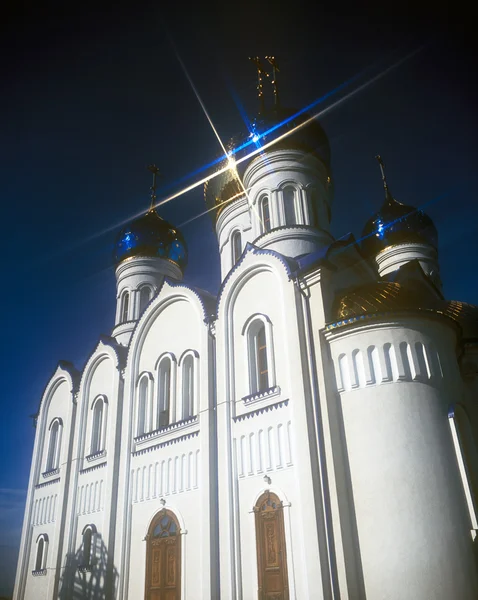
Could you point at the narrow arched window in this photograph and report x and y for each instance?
(164, 393)
(97, 441)
(143, 406)
(39, 560)
(144, 298)
(265, 214)
(258, 362)
(236, 246)
(125, 307)
(87, 546)
(53, 446)
(314, 208)
(188, 386)
(290, 213)
(41, 554)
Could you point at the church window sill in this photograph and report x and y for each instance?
(50, 473)
(39, 573)
(96, 455)
(262, 395)
(84, 569)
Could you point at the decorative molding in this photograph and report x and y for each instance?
(167, 443)
(50, 473)
(252, 398)
(85, 569)
(164, 430)
(261, 410)
(39, 573)
(93, 468)
(96, 455)
(45, 483)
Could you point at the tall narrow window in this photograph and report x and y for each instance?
(39, 560)
(265, 214)
(188, 386)
(144, 298)
(125, 307)
(289, 206)
(97, 441)
(143, 406)
(258, 362)
(236, 246)
(164, 395)
(53, 446)
(88, 539)
(314, 208)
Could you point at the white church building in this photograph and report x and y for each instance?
(309, 433)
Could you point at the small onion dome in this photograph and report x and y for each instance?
(396, 223)
(150, 235)
(268, 126)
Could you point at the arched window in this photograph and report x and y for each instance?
(313, 208)
(236, 243)
(258, 360)
(290, 213)
(188, 386)
(87, 546)
(265, 214)
(98, 429)
(42, 549)
(53, 456)
(143, 406)
(125, 307)
(164, 393)
(144, 297)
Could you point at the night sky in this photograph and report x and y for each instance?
(90, 97)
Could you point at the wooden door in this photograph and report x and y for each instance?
(163, 559)
(271, 554)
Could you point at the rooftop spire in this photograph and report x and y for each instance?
(154, 170)
(275, 70)
(260, 72)
(388, 195)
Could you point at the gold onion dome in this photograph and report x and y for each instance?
(150, 235)
(396, 223)
(291, 129)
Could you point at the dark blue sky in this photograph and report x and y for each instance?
(89, 99)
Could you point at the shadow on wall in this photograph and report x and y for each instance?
(96, 581)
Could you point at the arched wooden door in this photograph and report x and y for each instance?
(163, 558)
(271, 552)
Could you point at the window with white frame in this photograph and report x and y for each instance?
(144, 297)
(124, 307)
(188, 400)
(290, 208)
(53, 455)
(41, 553)
(98, 426)
(143, 405)
(236, 244)
(260, 354)
(165, 416)
(88, 546)
(264, 211)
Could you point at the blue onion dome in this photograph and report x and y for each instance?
(268, 126)
(396, 223)
(150, 235)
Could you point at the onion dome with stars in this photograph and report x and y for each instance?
(287, 128)
(152, 236)
(396, 223)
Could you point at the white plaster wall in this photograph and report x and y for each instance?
(412, 527)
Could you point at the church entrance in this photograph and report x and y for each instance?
(271, 554)
(163, 558)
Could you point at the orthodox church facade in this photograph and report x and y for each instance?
(308, 433)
